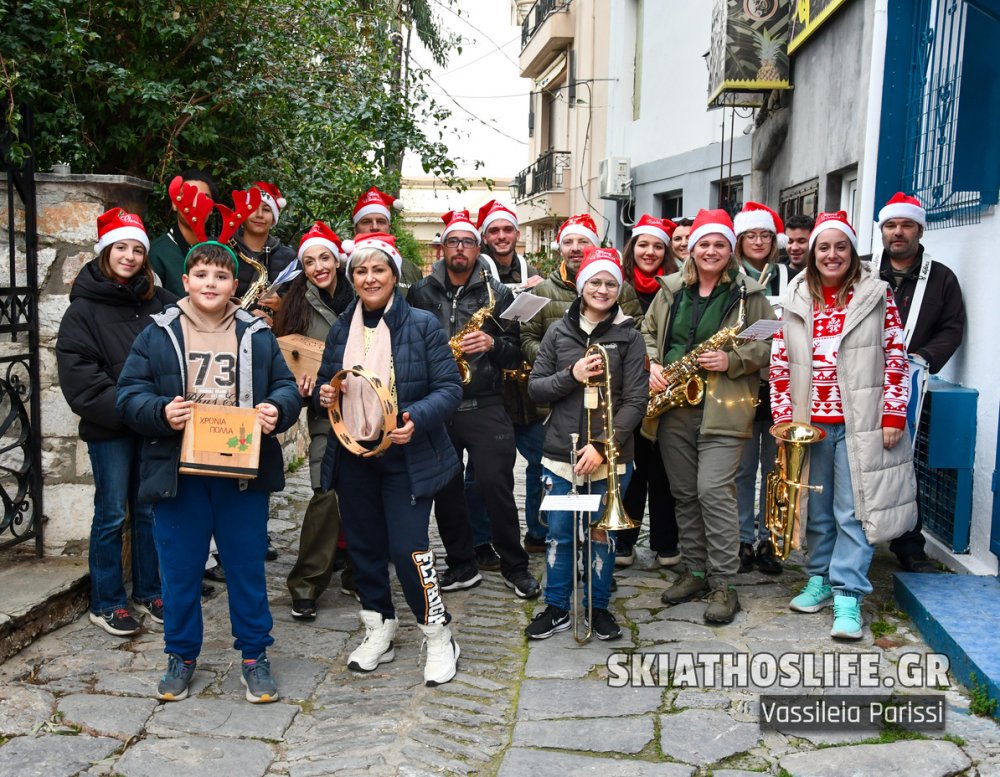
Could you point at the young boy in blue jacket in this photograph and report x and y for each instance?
(207, 350)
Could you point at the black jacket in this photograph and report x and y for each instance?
(275, 256)
(941, 326)
(95, 336)
(552, 382)
(453, 312)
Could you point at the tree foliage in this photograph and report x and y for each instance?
(305, 93)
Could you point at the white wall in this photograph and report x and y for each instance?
(976, 364)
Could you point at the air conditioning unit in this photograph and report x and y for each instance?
(616, 178)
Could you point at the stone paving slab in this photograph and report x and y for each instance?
(222, 718)
(898, 759)
(519, 762)
(549, 699)
(115, 716)
(53, 755)
(705, 737)
(195, 756)
(597, 735)
(22, 707)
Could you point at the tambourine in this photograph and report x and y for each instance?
(388, 411)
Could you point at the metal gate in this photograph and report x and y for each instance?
(20, 415)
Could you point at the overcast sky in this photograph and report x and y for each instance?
(488, 99)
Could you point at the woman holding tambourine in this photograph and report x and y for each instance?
(389, 452)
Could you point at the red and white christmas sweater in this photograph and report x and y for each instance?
(828, 327)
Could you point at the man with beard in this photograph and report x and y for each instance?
(930, 305)
(499, 230)
(797, 230)
(454, 291)
(575, 234)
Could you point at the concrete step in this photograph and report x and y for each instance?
(38, 595)
(958, 615)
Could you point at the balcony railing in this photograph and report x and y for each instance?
(545, 175)
(536, 16)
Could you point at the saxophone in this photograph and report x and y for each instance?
(685, 385)
(474, 324)
(260, 282)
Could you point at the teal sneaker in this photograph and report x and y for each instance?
(846, 618)
(257, 678)
(175, 682)
(813, 597)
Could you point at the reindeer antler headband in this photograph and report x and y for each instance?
(195, 207)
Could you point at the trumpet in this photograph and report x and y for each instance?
(782, 512)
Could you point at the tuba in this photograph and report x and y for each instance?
(474, 324)
(782, 513)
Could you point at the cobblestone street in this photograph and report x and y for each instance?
(78, 701)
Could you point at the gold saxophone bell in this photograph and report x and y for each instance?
(782, 511)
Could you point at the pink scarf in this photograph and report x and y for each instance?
(362, 410)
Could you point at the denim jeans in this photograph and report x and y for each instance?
(115, 464)
(760, 450)
(560, 566)
(528, 438)
(838, 548)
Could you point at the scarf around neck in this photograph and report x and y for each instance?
(371, 349)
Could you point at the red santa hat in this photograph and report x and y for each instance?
(902, 206)
(117, 224)
(374, 201)
(710, 222)
(458, 220)
(320, 234)
(595, 260)
(380, 240)
(581, 224)
(492, 211)
(272, 198)
(662, 229)
(837, 221)
(757, 216)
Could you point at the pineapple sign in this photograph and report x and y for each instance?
(748, 56)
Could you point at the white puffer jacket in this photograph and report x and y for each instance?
(883, 480)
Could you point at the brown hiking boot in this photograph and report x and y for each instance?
(723, 604)
(687, 588)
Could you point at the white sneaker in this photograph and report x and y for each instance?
(377, 645)
(442, 654)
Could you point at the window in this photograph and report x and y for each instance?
(729, 194)
(802, 199)
(938, 137)
(670, 204)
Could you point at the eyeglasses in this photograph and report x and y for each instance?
(758, 237)
(465, 242)
(595, 283)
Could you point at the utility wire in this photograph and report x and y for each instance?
(450, 10)
(477, 59)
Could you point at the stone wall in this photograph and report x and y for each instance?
(68, 207)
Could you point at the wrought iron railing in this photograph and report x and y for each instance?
(545, 175)
(537, 15)
(20, 428)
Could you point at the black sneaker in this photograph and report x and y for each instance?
(524, 585)
(604, 625)
(304, 609)
(767, 562)
(534, 544)
(216, 574)
(272, 552)
(746, 557)
(153, 608)
(547, 622)
(175, 682)
(118, 622)
(486, 558)
(460, 578)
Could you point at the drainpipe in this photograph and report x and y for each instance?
(873, 123)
